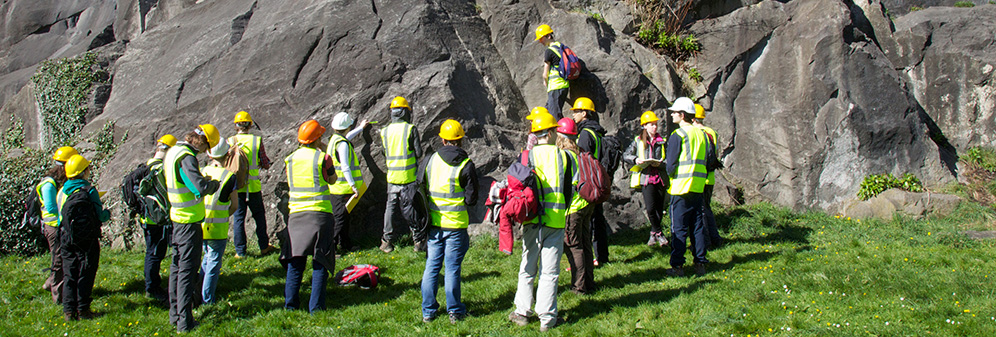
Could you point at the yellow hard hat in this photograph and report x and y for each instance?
(583, 103)
(699, 111)
(543, 30)
(536, 112)
(542, 122)
(76, 165)
(451, 130)
(648, 117)
(243, 117)
(168, 140)
(64, 153)
(399, 102)
(211, 133)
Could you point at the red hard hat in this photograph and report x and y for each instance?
(567, 126)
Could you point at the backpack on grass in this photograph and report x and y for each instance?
(363, 275)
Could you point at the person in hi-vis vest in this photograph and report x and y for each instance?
(402, 149)
(47, 190)
(450, 178)
(347, 169)
(250, 195)
(217, 208)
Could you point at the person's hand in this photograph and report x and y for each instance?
(363, 123)
(355, 191)
(639, 161)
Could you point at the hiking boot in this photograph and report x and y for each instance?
(556, 322)
(87, 314)
(268, 250)
(674, 272)
(700, 269)
(661, 239)
(519, 320)
(386, 246)
(420, 246)
(653, 239)
(158, 295)
(456, 317)
(70, 316)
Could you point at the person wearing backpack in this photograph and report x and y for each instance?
(47, 191)
(649, 146)
(577, 234)
(186, 188)
(157, 235)
(557, 85)
(688, 150)
(710, 219)
(217, 208)
(402, 149)
(347, 169)
(310, 220)
(543, 237)
(80, 216)
(250, 195)
(450, 178)
(590, 135)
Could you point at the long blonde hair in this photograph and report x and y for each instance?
(565, 143)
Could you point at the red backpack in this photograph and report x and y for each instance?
(570, 63)
(363, 275)
(594, 184)
(521, 202)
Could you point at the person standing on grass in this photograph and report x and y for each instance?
(310, 223)
(402, 149)
(47, 190)
(543, 237)
(577, 234)
(80, 216)
(217, 208)
(251, 195)
(650, 146)
(186, 189)
(157, 235)
(710, 219)
(688, 148)
(589, 140)
(451, 180)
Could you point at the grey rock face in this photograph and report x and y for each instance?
(885, 205)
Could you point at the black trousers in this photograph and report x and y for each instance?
(555, 101)
(685, 213)
(600, 234)
(710, 219)
(654, 199)
(157, 240)
(341, 232)
(184, 280)
(79, 262)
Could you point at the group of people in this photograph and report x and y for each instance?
(325, 179)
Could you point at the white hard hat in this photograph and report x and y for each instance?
(343, 121)
(683, 104)
(219, 150)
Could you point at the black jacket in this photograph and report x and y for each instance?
(586, 142)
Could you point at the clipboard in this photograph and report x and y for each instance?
(355, 199)
(646, 163)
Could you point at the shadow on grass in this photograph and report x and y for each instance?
(784, 234)
(588, 308)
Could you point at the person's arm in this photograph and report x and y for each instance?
(468, 180)
(630, 155)
(49, 193)
(192, 177)
(342, 151)
(102, 214)
(263, 160)
(229, 191)
(672, 154)
(356, 131)
(570, 171)
(586, 142)
(415, 143)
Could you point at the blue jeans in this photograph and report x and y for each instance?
(211, 266)
(157, 240)
(319, 277)
(447, 246)
(255, 204)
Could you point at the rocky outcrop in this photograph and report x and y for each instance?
(895, 201)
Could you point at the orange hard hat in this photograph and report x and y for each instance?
(309, 132)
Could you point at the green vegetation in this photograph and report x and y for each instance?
(781, 273)
(984, 158)
(590, 13)
(964, 4)
(693, 74)
(915, 8)
(62, 88)
(663, 23)
(878, 183)
(675, 45)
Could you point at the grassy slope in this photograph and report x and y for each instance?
(782, 273)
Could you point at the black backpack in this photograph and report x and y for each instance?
(610, 153)
(152, 192)
(79, 218)
(32, 212)
(129, 189)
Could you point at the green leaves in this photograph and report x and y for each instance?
(62, 89)
(878, 183)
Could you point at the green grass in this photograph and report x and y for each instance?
(781, 273)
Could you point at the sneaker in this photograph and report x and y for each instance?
(386, 246)
(239, 256)
(595, 263)
(700, 269)
(420, 246)
(674, 272)
(661, 239)
(556, 322)
(519, 320)
(268, 250)
(653, 239)
(456, 317)
(428, 319)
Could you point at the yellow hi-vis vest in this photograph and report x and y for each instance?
(47, 218)
(577, 202)
(309, 192)
(712, 133)
(550, 164)
(553, 79)
(249, 144)
(184, 206)
(401, 162)
(215, 225)
(691, 174)
(446, 206)
(638, 179)
(341, 186)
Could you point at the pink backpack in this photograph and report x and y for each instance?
(363, 275)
